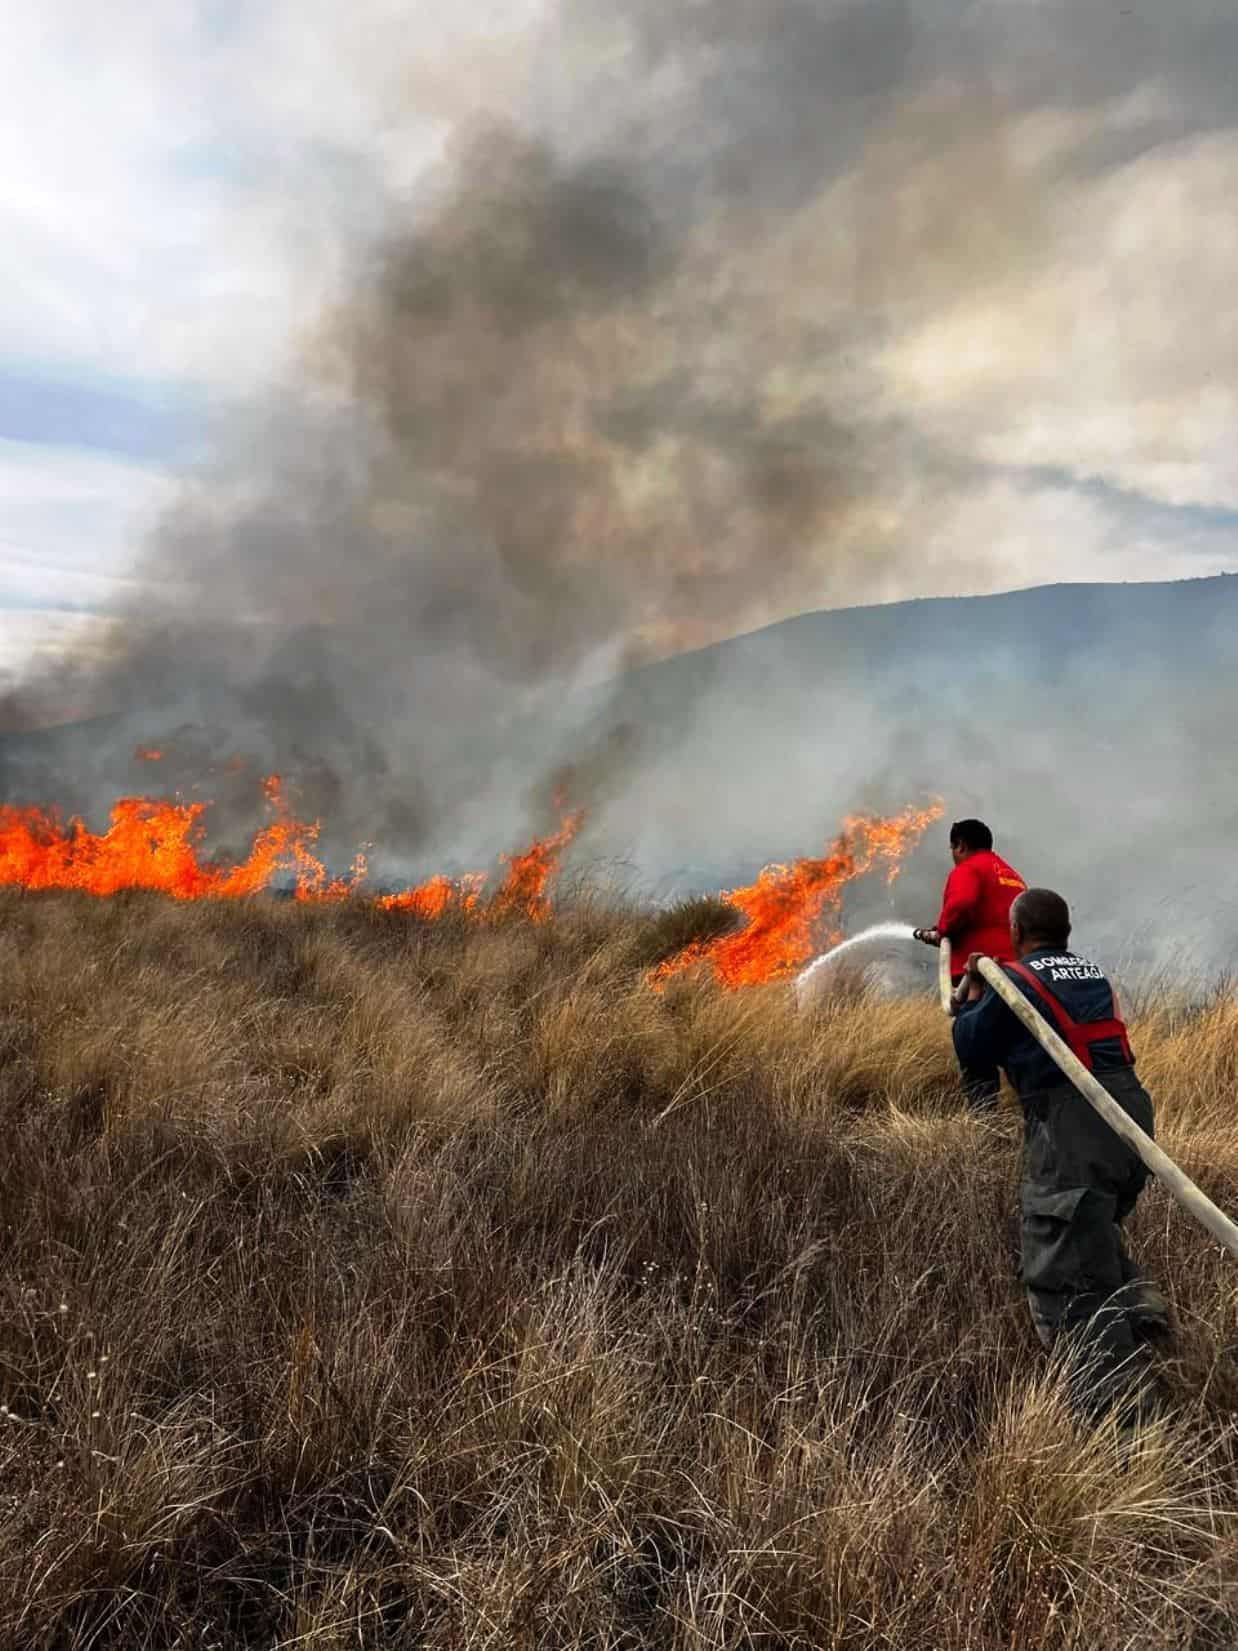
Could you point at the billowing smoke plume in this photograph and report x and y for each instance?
(678, 341)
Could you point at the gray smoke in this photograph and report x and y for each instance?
(617, 381)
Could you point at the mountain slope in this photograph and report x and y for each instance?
(1090, 724)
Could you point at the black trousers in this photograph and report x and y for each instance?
(981, 1084)
(1080, 1182)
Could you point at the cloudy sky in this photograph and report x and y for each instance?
(181, 182)
(853, 303)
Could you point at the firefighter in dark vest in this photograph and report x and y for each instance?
(1080, 1180)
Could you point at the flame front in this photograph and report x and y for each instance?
(156, 845)
(792, 911)
(149, 845)
(524, 891)
(529, 874)
(438, 896)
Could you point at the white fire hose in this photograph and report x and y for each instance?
(1181, 1186)
(943, 974)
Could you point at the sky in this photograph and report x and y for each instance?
(968, 267)
(180, 184)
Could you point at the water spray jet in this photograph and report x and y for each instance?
(804, 981)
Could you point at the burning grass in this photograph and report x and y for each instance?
(373, 1281)
(789, 912)
(157, 844)
(771, 929)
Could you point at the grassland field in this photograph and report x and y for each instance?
(372, 1282)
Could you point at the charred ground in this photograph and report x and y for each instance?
(369, 1282)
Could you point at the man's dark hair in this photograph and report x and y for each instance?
(1042, 915)
(972, 834)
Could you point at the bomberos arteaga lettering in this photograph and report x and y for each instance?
(1065, 967)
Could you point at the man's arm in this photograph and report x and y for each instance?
(962, 895)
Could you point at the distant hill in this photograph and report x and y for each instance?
(1091, 724)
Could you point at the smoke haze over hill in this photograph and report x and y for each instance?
(706, 316)
(1089, 724)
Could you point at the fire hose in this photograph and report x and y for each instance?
(1179, 1185)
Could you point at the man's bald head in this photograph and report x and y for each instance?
(1039, 918)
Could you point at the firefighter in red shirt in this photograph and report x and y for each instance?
(975, 917)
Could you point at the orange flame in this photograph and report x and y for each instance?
(156, 845)
(148, 753)
(529, 874)
(151, 844)
(522, 893)
(792, 911)
(438, 896)
(148, 845)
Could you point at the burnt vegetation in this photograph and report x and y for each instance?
(372, 1282)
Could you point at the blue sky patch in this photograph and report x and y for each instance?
(135, 421)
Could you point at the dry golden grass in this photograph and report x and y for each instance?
(370, 1283)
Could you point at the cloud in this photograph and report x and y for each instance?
(33, 639)
(179, 184)
(1110, 352)
(72, 522)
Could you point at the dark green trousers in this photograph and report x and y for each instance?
(1080, 1182)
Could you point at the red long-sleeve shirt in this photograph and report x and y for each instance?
(975, 909)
